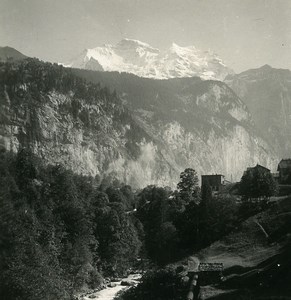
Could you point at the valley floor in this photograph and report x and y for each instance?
(256, 259)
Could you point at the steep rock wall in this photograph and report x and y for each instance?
(164, 127)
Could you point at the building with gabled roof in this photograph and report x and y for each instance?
(258, 167)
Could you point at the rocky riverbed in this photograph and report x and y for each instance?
(113, 288)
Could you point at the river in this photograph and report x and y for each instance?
(110, 292)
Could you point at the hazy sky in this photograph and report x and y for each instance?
(245, 33)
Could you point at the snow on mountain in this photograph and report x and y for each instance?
(132, 56)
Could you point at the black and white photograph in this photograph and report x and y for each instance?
(145, 149)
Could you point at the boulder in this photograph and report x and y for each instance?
(126, 282)
(111, 284)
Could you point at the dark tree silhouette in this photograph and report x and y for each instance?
(257, 183)
(188, 186)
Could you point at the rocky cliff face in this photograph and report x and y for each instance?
(267, 93)
(196, 123)
(64, 120)
(149, 135)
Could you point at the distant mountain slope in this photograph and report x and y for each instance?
(267, 93)
(196, 123)
(10, 54)
(132, 56)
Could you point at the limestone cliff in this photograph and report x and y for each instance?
(147, 135)
(196, 123)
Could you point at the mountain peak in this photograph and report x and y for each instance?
(134, 45)
(176, 46)
(141, 59)
(266, 67)
(8, 53)
(127, 41)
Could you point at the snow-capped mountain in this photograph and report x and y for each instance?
(132, 56)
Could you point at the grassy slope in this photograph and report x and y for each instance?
(256, 257)
(249, 245)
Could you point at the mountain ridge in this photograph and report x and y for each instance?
(175, 123)
(267, 93)
(139, 58)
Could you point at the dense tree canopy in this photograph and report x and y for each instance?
(58, 231)
(257, 183)
(61, 232)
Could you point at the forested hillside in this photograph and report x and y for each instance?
(62, 233)
(62, 118)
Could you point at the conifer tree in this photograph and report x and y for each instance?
(188, 186)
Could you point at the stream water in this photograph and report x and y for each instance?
(110, 292)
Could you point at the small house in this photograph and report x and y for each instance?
(216, 181)
(210, 273)
(258, 168)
